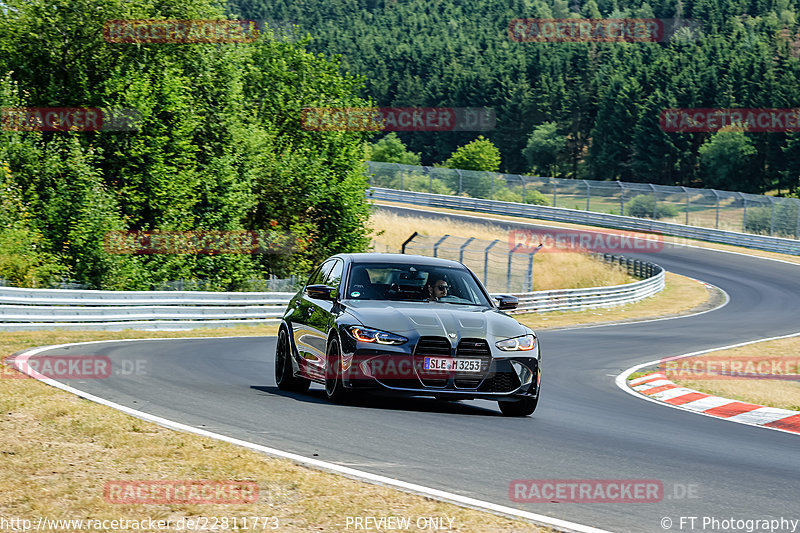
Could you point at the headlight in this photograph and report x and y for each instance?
(363, 334)
(517, 344)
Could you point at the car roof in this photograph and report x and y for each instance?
(400, 259)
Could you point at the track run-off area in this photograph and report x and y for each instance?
(585, 428)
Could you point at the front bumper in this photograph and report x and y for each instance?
(509, 376)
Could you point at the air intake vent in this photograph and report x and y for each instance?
(427, 347)
(473, 349)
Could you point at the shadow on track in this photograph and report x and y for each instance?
(388, 402)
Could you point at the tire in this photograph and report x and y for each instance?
(334, 387)
(523, 407)
(284, 375)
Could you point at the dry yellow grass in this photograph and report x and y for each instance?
(57, 452)
(551, 270)
(667, 239)
(680, 296)
(784, 394)
(392, 229)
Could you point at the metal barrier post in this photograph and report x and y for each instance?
(461, 251)
(655, 202)
(403, 248)
(797, 229)
(400, 169)
(508, 271)
(486, 261)
(427, 170)
(687, 204)
(771, 215)
(588, 193)
(744, 216)
(530, 273)
(436, 246)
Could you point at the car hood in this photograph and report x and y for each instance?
(435, 319)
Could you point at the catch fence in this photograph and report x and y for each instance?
(706, 208)
(504, 267)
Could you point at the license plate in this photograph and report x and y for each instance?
(446, 364)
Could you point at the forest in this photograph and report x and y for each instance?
(585, 110)
(216, 147)
(219, 143)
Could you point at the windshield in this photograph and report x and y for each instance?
(420, 283)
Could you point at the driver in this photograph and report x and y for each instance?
(438, 289)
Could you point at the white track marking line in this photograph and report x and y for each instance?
(360, 475)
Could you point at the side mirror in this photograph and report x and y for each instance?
(506, 301)
(321, 292)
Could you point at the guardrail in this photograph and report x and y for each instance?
(562, 214)
(577, 299)
(32, 309)
(29, 309)
(83, 297)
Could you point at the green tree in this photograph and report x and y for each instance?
(644, 206)
(544, 148)
(480, 154)
(726, 161)
(390, 149)
(656, 155)
(791, 152)
(220, 144)
(610, 151)
(590, 10)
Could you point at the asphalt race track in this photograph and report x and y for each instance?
(585, 426)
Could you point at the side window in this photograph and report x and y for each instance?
(334, 276)
(319, 275)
